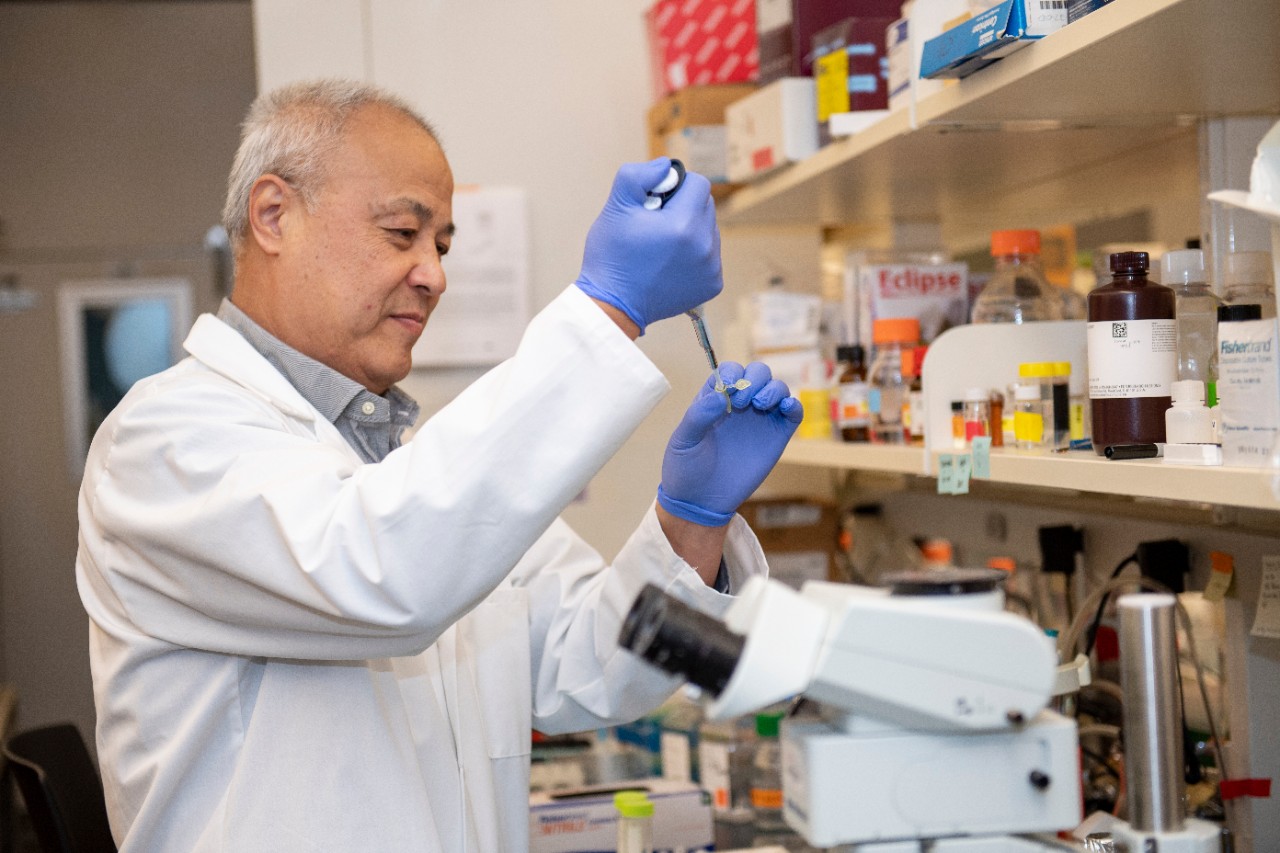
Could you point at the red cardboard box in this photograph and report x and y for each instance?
(696, 42)
(785, 35)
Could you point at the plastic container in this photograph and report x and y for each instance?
(1247, 277)
(1188, 420)
(852, 416)
(889, 384)
(1017, 291)
(1196, 313)
(957, 424)
(635, 822)
(725, 749)
(1133, 354)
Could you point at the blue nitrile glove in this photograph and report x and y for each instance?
(716, 459)
(653, 264)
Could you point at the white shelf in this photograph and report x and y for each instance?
(1077, 471)
(889, 459)
(1128, 77)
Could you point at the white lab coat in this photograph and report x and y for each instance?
(294, 651)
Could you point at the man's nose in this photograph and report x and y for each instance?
(428, 273)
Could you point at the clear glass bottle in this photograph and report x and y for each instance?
(766, 778)
(1196, 313)
(889, 384)
(1247, 277)
(1133, 354)
(1017, 292)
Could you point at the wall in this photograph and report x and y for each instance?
(120, 122)
(549, 95)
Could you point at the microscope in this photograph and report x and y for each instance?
(933, 730)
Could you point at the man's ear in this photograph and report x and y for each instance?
(271, 199)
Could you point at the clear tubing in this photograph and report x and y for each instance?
(1152, 712)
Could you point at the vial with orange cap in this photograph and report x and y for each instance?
(889, 383)
(1017, 291)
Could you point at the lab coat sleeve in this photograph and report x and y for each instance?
(211, 520)
(582, 678)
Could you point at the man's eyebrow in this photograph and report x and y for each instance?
(423, 213)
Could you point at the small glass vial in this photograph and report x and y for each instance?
(977, 413)
(957, 424)
(1188, 420)
(1060, 393)
(635, 822)
(1028, 417)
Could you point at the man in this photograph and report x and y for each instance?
(307, 637)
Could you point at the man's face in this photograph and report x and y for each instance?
(362, 269)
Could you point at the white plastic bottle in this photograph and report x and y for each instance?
(1188, 420)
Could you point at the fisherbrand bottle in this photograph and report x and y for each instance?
(1133, 354)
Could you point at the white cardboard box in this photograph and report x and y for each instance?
(773, 126)
(581, 820)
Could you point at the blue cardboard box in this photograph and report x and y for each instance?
(995, 33)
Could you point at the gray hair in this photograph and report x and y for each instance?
(290, 132)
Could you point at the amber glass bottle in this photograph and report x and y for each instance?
(1133, 354)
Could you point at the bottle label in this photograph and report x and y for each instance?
(713, 772)
(853, 405)
(1028, 427)
(676, 757)
(1132, 358)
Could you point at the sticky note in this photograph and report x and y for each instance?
(981, 447)
(964, 468)
(946, 473)
(1222, 570)
(1266, 622)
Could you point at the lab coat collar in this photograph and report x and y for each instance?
(224, 350)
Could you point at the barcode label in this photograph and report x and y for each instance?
(1049, 5)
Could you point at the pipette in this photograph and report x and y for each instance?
(657, 198)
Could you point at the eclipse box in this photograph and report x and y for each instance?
(985, 38)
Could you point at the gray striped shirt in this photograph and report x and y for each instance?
(371, 424)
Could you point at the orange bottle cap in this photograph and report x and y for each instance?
(1004, 564)
(895, 330)
(1023, 241)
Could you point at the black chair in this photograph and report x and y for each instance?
(62, 790)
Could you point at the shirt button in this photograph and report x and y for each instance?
(368, 408)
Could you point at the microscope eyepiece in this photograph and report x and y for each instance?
(680, 640)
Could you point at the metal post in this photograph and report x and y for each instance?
(1152, 712)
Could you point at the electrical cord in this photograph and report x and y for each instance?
(1102, 606)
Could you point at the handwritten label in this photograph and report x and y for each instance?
(964, 469)
(946, 474)
(981, 446)
(1266, 623)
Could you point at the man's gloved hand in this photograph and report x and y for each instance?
(653, 264)
(716, 459)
